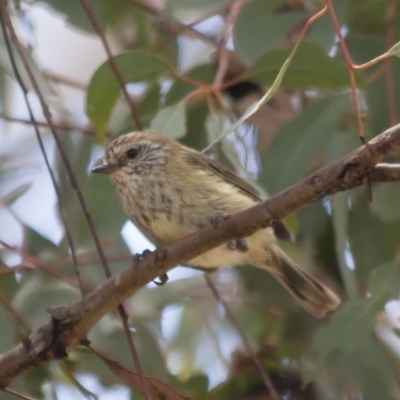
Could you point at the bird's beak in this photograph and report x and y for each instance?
(105, 169)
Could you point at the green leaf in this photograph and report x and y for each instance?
(310, 67)
(196, 136)
(368, 17)
(149, 102)
(35, 243)
(177, 8)
(386, 202)
(8, 323)
(384, 283)
(78, 152)
(253, 108)
(394, 50)
(298, 143)
(322, 30)
(6, 66)
(103, 90)
(349, 330)
(259, 28)
(105, 209)
(74, 14)
(377, 97)
(15, 194)
(109, 336)
(341, 144)
(363, 49)
(340, 215)
(170, 121)
(38, 293)
(371, 243)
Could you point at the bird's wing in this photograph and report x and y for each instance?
(200, 160)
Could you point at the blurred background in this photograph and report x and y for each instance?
(191, 69)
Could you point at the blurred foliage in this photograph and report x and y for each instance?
(182, 335)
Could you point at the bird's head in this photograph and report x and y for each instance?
(135, 154)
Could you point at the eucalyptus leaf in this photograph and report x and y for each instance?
(368, 17)
(9, 328)
(170, 121)
(311, 67)
(394, 50)
(73, 12)
(386, 202)
(258, 19)
(385, 283)
(340, 208)
(6, 66)
(104, 89)
(349, 330)
(105, 209)
(38, 293)
(369, 237)
(296, 146)
(15, 194)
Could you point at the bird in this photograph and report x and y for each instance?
(169, 191)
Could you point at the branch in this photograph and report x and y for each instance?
(69, 325)
(66, 127)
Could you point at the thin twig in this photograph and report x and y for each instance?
(135, 115)
(350, 67)
(47, 114)
(264, 374)
(143, 381)
(3, 19)
(18, 394)
(390, 41)
(85, 392)
(43, 124)
(64, 80)
(222, 49)
(253, 108)
(180, 27)
(5, 300)
(111, 61)
(90, 258)
(218, 10)
(33, 262)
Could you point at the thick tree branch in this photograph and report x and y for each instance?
(69, 325)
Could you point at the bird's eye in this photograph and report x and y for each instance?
(132, 153)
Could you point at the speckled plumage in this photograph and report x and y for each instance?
(170, 191)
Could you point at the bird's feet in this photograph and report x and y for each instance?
(218, 218)
(163, 279)
(139, 257)
(239, 244)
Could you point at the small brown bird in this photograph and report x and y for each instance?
(169, 191)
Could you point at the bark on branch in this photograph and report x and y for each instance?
(69, 326)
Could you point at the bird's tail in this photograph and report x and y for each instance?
(316, 298)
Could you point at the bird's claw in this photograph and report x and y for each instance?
(139, 256)
(162, 280)
(239, 244)
(218, 218)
